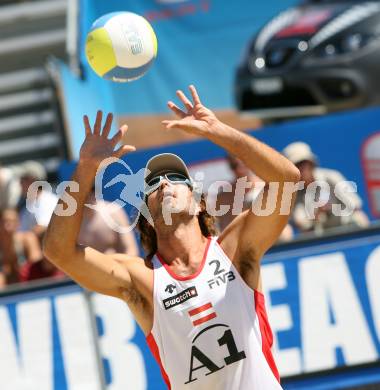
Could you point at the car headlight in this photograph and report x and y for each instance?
(353, 42)
(329, 50)
(350, 43)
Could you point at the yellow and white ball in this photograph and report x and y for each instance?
(121, 46)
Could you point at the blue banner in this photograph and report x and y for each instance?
(323, 303)
(62, 338)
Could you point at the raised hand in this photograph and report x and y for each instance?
(195, 118)
(96, 146)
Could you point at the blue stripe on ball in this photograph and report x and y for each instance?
(104, 19)
(127, 73)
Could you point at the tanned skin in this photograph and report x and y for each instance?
(180, 244)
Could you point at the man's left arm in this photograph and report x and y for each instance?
(251, 233)
(255, 231)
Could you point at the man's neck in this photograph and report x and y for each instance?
(181, 243)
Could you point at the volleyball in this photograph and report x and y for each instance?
(121, 46)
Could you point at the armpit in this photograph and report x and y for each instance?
(249, 269)
(132, 297)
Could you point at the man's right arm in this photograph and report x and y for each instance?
(91, 269)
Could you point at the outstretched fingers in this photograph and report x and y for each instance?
(177, 111)
(177, 124)
(194, 95)
(87, 126)
(98, 122)
(119, 135)
(118, 153)
(187, 103)
(169, 124)
(107, 125)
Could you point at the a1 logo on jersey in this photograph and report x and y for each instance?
(201, 364)
(221, 275)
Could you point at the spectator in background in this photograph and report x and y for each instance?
(96, 233)
(8, 263)
(16, 248)
(26, 244)
(21, 256)
(10, 189)
(40, 269)
(20, 253)
(301, 155)
(42, 201)
(240, 170)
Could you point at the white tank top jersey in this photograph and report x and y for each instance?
(210, 330)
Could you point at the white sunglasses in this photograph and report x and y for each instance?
(172, 177)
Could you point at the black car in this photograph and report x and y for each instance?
(317, 57)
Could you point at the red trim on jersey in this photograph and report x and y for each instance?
(204, 319)
(200, 309)
(266, 332)
(182, 278)
(154, 349)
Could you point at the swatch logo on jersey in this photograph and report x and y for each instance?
(183, 296)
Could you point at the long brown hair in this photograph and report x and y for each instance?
(148, 237)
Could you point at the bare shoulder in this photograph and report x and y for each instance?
(232, 244)
(244, 258)
(229, 237)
